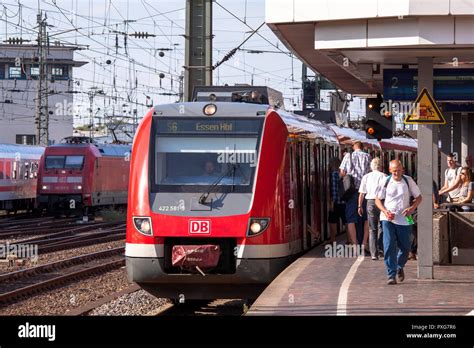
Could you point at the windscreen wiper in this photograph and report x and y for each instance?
(206, 194)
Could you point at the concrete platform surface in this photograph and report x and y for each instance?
(319, 285)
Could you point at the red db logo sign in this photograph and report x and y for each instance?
(200, 226)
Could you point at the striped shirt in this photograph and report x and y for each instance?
(359, 167)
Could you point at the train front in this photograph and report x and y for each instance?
(195, 229)
(64, 176)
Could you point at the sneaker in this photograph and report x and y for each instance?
(400, 275)
(391, 281)
(375, 258)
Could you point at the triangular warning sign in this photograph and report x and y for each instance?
(425, 111)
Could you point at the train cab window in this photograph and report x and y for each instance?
(54, 162)
(64, 162)
(200, 161)
(74, 162)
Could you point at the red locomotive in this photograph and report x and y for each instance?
(18, 176)
(81, 175)
(224, 195)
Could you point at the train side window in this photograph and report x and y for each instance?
(14, 170)
(8, 168)
(26, 174)
(1, 170)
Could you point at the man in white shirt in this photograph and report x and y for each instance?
(368, 190)
(396, 211)
(452, 180)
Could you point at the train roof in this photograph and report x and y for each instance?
(224, 109)
(296, 124)
(22, 149)
(115, 150)
(307, 127)
(399, 143)
(349, 135)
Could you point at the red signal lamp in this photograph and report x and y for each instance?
(370, 130)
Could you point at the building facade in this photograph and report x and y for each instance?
(19, 73)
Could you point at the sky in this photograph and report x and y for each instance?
(136, 70)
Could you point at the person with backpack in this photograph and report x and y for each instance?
(452, 180)
(338, 207)
(353, 167)
(394, 201)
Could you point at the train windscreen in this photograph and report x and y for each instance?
(197, 154)
(64, 162)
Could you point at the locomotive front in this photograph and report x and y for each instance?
(193, 228)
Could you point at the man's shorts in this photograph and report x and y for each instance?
(338, 212)
(352, 216)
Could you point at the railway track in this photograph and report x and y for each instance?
(19, 284)
(34, 225)
(79, 236)
(219, 307)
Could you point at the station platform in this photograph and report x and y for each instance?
(319, 285)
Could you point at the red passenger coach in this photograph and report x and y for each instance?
(18, 176)
(224, 195)
(79, 174)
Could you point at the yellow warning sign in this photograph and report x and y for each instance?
(425, 111)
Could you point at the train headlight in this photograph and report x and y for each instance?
(44, 187)
(143, 225)
(79, 187)
(210, 109)
(257, 226)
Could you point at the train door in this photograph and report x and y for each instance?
(316, 197)
(325, 186)
(314, 233)
(294, 196)
(309, 196)
(287, 182)
(319, 186)
(300, 213)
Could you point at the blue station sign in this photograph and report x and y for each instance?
(449, 85)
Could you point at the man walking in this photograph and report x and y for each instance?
(396, 211)
(452, 180)
(368, 189)
(356, 164)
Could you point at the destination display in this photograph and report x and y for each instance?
(206, 126)
(448, 84)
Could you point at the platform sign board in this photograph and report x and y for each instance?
(425, 111)
(449, 85)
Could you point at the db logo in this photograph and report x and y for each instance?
(200, 226)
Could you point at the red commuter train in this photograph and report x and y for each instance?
(18, 176)
(224, 195)
(79, 175)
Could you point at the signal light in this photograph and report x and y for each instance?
(379, 122)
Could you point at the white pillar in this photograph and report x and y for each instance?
(425, 178)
